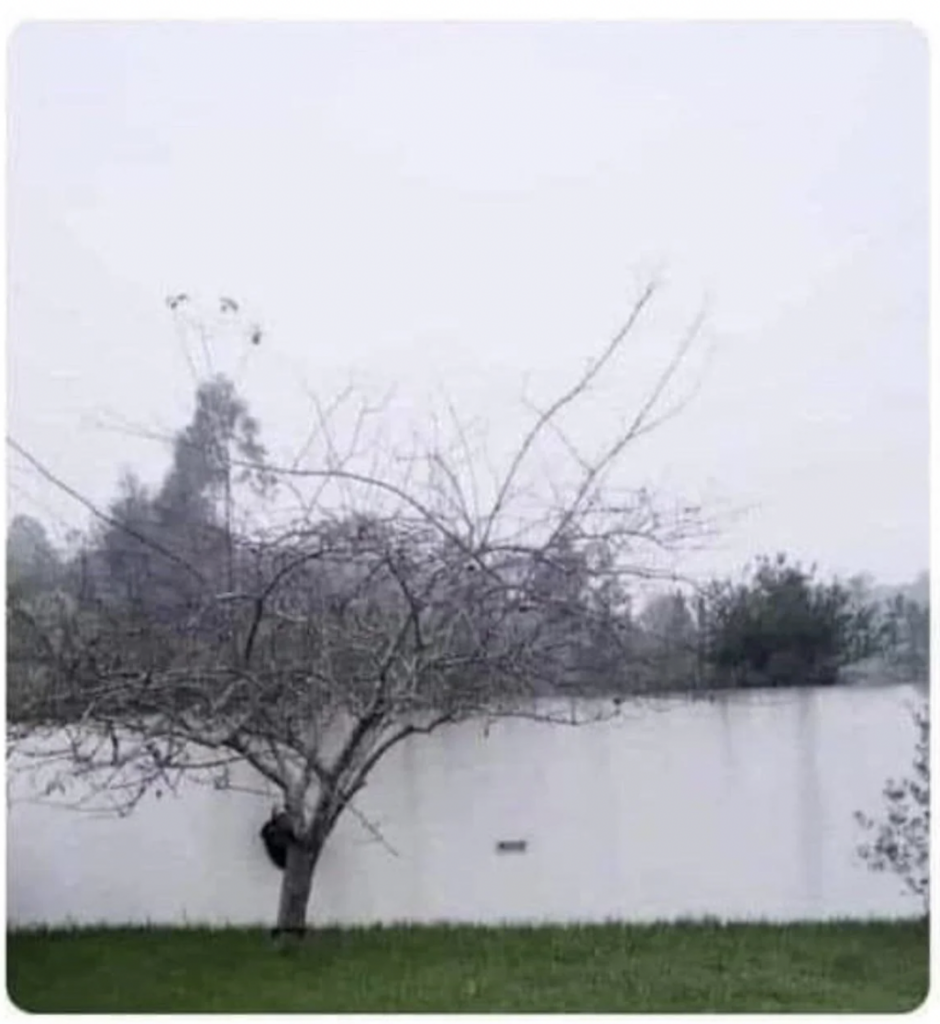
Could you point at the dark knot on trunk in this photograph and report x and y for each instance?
(277, 834)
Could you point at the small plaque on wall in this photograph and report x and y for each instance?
(511, 846)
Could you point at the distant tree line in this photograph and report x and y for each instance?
(778, 625)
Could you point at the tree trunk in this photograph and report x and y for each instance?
(296, 883)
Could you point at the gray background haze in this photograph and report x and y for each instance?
(471, 207)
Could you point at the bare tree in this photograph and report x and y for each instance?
(380, 601)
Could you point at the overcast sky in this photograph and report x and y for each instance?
(472, 208)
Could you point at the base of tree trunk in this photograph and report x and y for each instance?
(285, 939)
(296, 882)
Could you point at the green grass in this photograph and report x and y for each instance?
(871, 966)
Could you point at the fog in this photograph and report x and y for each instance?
(469, 208)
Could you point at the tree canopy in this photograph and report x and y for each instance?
(385, 600)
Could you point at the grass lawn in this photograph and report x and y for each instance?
(876, 966)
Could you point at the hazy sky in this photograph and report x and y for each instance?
(472, 207)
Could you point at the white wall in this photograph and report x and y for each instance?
(739, 807)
